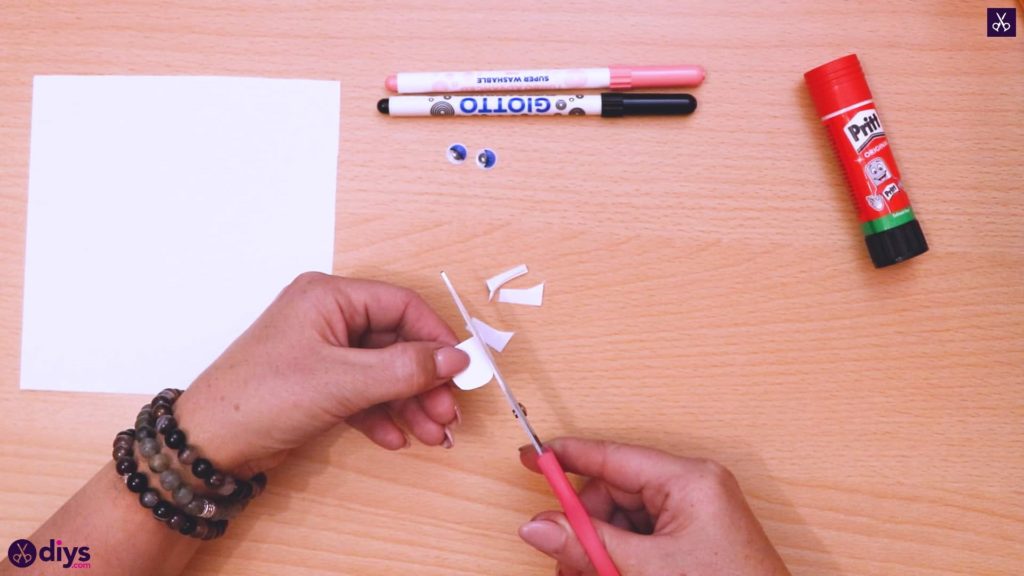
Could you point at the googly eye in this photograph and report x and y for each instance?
(486, 158)
(457, 153)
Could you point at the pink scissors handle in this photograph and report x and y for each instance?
(576, 513)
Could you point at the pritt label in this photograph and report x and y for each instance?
(875, 185)
(863, 128)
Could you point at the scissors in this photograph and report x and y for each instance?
(1003, 25)
(22, 557)
(547, 462)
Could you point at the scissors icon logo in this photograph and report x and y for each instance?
(1002, 25)
(21, 553)
(1002, 22)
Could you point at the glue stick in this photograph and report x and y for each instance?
(846, 108)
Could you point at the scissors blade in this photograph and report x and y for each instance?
(516, 409)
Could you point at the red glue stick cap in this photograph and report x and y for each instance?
(837, 85)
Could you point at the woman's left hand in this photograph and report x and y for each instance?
(327, 350)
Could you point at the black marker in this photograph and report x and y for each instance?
(607, 105)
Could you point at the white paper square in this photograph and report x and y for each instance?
(164, 214)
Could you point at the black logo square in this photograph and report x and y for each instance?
(1002, 22)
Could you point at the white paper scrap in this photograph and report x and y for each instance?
(479, 371)
(164, 215)
(496, 339)
(495, 282)
(527, 296)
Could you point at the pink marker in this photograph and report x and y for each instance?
(614, 77)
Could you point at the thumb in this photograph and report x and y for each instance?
(550, 533)
(401, 370)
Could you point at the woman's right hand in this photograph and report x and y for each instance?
(656, 513)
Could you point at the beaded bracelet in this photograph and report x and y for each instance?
(195, 515)
(138, 482)
(236, 491)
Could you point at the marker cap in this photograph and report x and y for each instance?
(630, 77)
(616, 105)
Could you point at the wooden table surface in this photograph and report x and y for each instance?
(708, 290)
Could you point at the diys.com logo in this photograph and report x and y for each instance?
(23, 553)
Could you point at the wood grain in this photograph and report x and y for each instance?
(707, 289)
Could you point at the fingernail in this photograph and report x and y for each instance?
(449, 361)
(449, 440)
(543, 535)
(458, 415)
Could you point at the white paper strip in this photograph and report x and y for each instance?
(495, 282)
(496, 339)
(527, 296)
(479, 371)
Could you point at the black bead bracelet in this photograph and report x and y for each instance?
(236, 492)
(197, 515)
(160, 418)
(138, 483)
